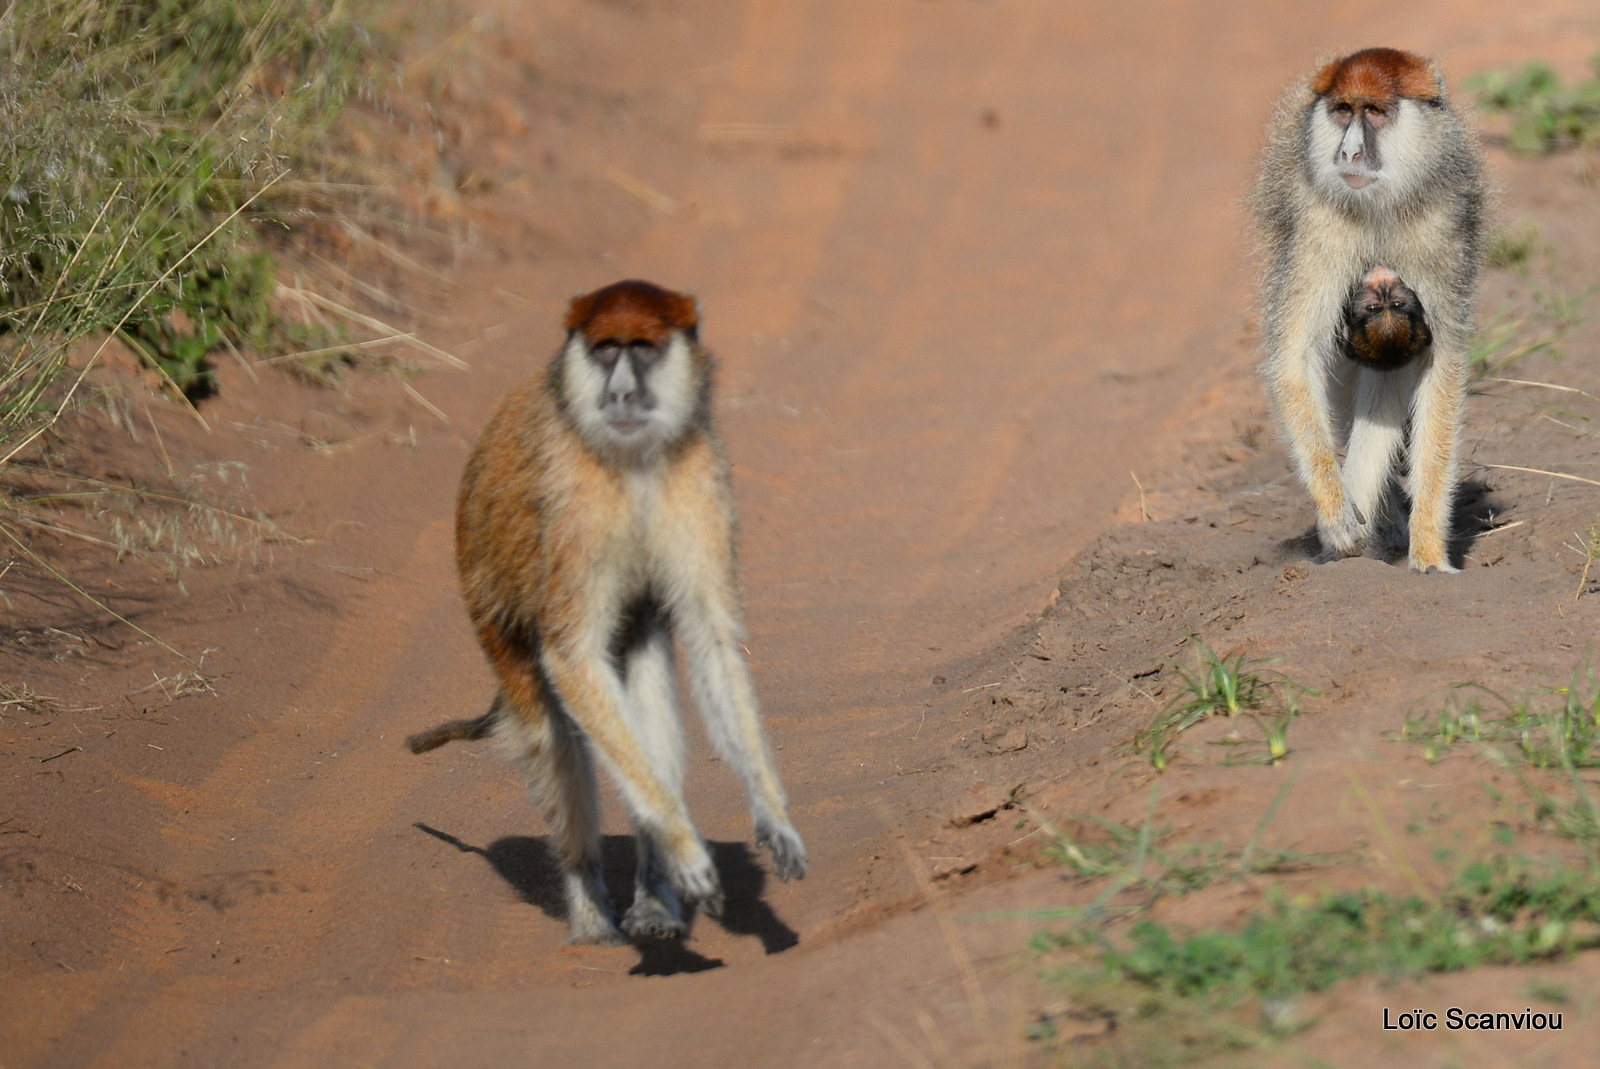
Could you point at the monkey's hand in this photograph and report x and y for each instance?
(788, 852)
(697, 882)
(1341, 533)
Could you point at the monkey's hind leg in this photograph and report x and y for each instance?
(560, 773)
(648, 679)
(560, 770)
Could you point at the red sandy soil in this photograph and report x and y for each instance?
(968, 268)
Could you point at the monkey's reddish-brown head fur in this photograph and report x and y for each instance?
(632, 311)
(1378, 75)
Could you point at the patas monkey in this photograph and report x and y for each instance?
(1368, 167)
(594, 525)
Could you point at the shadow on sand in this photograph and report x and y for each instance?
(528, 865)
(1475, 512)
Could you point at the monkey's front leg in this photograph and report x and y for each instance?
(1435, 427)
(726, 698)
(594, 699)
(1299, 390)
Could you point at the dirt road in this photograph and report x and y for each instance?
(970, 268)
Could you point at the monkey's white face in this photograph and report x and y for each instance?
(632, 399)
(1367, 154)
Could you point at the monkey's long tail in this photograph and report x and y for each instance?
(433, 738)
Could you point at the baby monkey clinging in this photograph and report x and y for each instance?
(1384, 326)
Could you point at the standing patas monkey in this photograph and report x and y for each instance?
(595, 524)
(1371, 182)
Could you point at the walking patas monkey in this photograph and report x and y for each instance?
(595, 524)
(1371, 192)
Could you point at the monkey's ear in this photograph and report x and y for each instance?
(579, 311)
(1438, 82)
(680, 310)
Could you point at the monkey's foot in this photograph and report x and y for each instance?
(788, 852)
(1428, 553)
(651, 917)
(595, 932)
(589, 917)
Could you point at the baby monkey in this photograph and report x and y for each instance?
(594, 537)
(1385, 327)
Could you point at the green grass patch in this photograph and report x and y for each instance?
(1227, 684)
(1545, 114)
(144, 149)
(1557, 730)
(1174, 996)
(1139, 867)
(1532, 321)
(1509, 248)
(1546, 743)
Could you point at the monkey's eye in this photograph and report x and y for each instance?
(644, 354)
(606, 353)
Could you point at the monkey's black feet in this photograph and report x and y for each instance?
(654, 918)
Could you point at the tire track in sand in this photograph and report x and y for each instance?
(308, 832)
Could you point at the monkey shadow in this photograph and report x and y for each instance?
(1474, 513)
(529, 865)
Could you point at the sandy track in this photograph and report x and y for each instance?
(966, 266)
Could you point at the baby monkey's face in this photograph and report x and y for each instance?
(1385, 326)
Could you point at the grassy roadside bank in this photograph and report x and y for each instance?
(153, 153)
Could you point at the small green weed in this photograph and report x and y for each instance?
(1223, 685)
(1136, 859)
(1548, 991)
(1545, 114)
(1532, 323)
(1561, 735)
(1545, 746)
(1508, 249)
(1137, 862)
(1275, 729)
